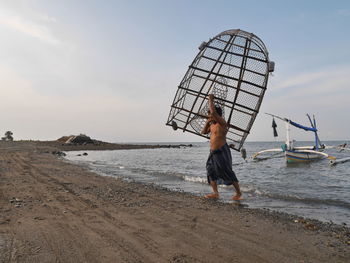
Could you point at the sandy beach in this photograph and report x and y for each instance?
(54, 211)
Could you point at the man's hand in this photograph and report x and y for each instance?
(214, 115)
(210, 119)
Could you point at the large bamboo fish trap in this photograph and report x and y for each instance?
(233, 66)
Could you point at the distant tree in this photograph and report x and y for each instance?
(8, 136)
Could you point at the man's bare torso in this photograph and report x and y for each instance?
(217, 135)
(215, 125)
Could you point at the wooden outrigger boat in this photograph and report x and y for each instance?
(297, 154)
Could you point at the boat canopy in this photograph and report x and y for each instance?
(302, 127)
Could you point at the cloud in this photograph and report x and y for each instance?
(327, 88)
(298, 80)
(102, 114)
(324, 93)
(30, 28)
(47, 18)
(321, 81)
(18, 93)
(27, 110)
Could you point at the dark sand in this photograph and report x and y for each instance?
(53, 211)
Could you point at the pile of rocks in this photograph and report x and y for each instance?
(80, 139)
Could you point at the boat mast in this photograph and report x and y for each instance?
(313, 125)
(316, 137)
(288, 143)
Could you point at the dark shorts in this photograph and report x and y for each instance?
(219, 166)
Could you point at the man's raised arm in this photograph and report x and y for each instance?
(213, 112)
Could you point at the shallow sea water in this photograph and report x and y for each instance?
(314, 190)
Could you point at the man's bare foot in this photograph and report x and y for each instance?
(212, 196)
(237, 197)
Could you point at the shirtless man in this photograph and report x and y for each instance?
(219, 164)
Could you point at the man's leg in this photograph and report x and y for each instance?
(215, 194)
(238, 195)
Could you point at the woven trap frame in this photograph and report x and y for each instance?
(234, 67)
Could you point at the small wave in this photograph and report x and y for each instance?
(257, 192)
(107, 166)
(295, 198)
(315, 201)
(251, 190)
(194, 179)
(97, 162)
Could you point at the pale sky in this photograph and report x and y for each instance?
(110, 69)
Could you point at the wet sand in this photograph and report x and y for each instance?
(54, 211)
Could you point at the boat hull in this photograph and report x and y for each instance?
(294, 156)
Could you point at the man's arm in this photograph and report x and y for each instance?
(206, 128)
(213, 112)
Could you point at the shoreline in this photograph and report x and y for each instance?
(310, 223)
(311, 209)
(306, 222)
(52, 210)
(97, 146)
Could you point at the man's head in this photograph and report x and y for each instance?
(218, 110)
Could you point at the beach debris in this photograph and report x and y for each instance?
(182, 258)
(58, 153)
(310, 226)
(16, 201)
(307, 225)
(6, 221)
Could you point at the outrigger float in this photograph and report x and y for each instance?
(304, 153)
